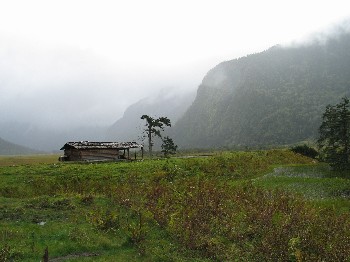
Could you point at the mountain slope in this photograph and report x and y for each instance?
(273, 97)
(168, 103)
(8, 148)
(48, 138)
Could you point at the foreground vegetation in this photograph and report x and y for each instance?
(252, 206)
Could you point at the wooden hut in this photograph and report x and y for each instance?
(99, 151)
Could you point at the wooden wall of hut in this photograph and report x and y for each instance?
(91, 154)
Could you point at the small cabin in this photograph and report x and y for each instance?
(100, 151)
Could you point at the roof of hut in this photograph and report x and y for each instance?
(100, 145)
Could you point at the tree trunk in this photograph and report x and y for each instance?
(150, 142)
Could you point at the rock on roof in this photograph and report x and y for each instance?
(101, 145)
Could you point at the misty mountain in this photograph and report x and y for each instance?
(48, 139)
(7, 148)
(270, 98)
(168, 102)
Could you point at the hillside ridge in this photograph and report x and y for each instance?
(275, 97)
(8, 148)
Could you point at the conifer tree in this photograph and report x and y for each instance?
(168, 146)
(334, 140)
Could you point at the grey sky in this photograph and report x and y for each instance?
(82, 62)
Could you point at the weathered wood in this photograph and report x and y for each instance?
(92, 154)
(95, 151)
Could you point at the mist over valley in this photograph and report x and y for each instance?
(60, 86)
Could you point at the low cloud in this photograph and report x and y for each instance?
(332, 31)
(63, 87)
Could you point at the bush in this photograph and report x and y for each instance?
(305, 150)
(105, 220)
(247, 221)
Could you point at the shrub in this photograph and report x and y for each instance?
(305, 150)
(248, 222)
(105, 220)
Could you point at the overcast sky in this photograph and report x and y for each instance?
(85, 61)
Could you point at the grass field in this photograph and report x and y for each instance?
(317, 183)
(253, 206)
(28, 160)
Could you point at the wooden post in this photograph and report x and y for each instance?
(128, 153)
(46, 255)
(150, 141)
(141, 152)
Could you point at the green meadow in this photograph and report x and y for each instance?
(270, 205)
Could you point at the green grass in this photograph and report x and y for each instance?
(318, 183)
(220, 207)
(28, 160)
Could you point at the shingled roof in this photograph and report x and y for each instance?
(100, 145)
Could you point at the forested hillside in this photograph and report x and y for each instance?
(170, 104)
(269, 98)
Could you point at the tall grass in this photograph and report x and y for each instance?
(229, 206)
